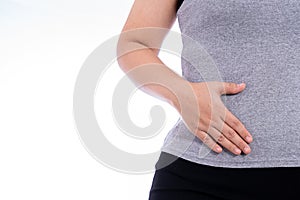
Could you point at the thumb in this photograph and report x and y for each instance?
(231, 88)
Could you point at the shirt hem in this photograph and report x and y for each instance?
(249, 164)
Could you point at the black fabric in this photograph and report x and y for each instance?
(179, 2)
(186, 180)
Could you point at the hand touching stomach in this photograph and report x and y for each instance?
(206, 116)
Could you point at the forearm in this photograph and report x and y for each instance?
(146, 70)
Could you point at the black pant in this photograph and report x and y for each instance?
(186, 180)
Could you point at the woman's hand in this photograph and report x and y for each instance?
(205, 115)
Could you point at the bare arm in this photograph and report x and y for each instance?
(144, 66)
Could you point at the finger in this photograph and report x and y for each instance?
(221, 139)
(208, 141)
(230, 88)
(236, 125)
(232, 135)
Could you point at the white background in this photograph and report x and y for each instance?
(43, 44)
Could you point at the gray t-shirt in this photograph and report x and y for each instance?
(251, 41)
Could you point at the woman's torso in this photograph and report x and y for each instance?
(251, 41)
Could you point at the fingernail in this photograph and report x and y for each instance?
(240, 84)
(246, 149)
(238, 151)
(219, 149)
(249, 139)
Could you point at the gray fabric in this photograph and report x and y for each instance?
(251, 41)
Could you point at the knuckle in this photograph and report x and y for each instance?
(235, 123)
(206, 139)
(201, 135)
(230, 134)
(221, 138)
(242, 145)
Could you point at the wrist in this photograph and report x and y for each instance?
(178, 94)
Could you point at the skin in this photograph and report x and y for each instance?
(198, 103)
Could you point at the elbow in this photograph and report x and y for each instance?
(124, 46)
(132, 39)
(128, 43)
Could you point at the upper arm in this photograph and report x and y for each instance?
(151, 13)
(158, 14)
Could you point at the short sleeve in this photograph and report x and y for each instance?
(179, 2)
